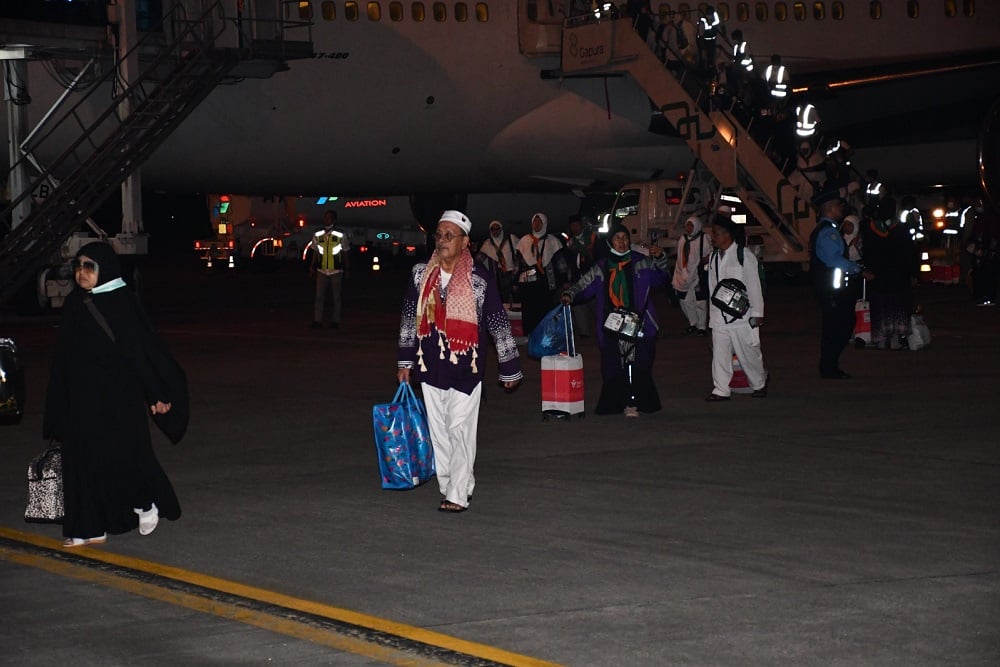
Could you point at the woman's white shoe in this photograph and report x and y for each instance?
(148, 519)
(84, 541)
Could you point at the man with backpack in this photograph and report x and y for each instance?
(736, 312)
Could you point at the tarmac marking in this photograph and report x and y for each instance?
(342, 629)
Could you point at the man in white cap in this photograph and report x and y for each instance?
(690, 282)
(450, 308)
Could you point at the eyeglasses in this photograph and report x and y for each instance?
(86, 265)
(447, 237)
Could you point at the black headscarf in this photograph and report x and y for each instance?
(108, 265)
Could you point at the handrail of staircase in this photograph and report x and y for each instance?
(188, 29)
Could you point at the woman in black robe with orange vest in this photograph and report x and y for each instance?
(110, 372)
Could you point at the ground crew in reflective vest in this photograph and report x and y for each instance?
(329, 264)
(708, 31)
(741, 52)
(777, 78)
(806, 120)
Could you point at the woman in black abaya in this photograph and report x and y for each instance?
(110, 372)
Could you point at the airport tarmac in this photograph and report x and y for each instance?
(847, 522)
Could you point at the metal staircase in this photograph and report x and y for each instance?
(716, 138)
(98, 150)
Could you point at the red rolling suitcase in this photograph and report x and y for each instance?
(562, 378)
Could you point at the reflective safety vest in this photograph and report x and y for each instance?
(328, 244)
(806, 120)
(741, 56)
(777, 79)
(710, 26)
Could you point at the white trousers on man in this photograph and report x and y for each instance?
(743, 341)
(453, 420)
(694, 310)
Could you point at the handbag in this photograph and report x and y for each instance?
(402, 440)
(920, 333)
(45, 487)
(12, 387)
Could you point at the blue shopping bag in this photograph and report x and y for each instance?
(550, 336)
(403, 441)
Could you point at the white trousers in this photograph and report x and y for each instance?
(695, 311)
(453, 420)
(744, 342)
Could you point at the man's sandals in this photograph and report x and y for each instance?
(450, 507)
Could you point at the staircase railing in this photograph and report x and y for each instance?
(96, 151)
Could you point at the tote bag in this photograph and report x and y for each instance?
(45, 487)
(403, 441)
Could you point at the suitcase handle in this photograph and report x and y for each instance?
(568, 327)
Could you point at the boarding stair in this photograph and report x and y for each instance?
(718, 140)
(98, 147)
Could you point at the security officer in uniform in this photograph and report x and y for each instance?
(831, 272)
(329, 265)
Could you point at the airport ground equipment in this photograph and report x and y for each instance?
(99, 144)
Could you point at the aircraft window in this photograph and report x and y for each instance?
(950, 10)
(780, 11)
(761, 11)
(440, 12)
(482, 12)
(461, 12)
(969, 8)
(396, 11)
(743, 11)
(723, 9)
(875, 9)
(819, 11)
(837, 10)
(351, 11)
(799, 11)
(374, 11)
(329, 8)
(417, 11)
(305, 10)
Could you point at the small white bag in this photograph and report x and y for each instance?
(920, 335)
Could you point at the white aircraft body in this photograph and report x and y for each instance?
(455, 107)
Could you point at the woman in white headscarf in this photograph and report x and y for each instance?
(536, 277)
(497, 253)
(690, 282)
(849, 229)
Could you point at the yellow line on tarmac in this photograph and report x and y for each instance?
(259, 619)
(231, 612)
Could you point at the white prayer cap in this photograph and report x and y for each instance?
(458, 218)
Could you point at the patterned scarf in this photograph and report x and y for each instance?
(617, 282)
(538, 251)
(498, 246)
(455, 317)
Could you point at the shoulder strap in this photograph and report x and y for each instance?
(739, 253)
(100, 318)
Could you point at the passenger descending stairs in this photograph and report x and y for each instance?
(718, 140)
(98, 150)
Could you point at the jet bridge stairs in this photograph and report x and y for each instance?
(98, 151)
(720, 143)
